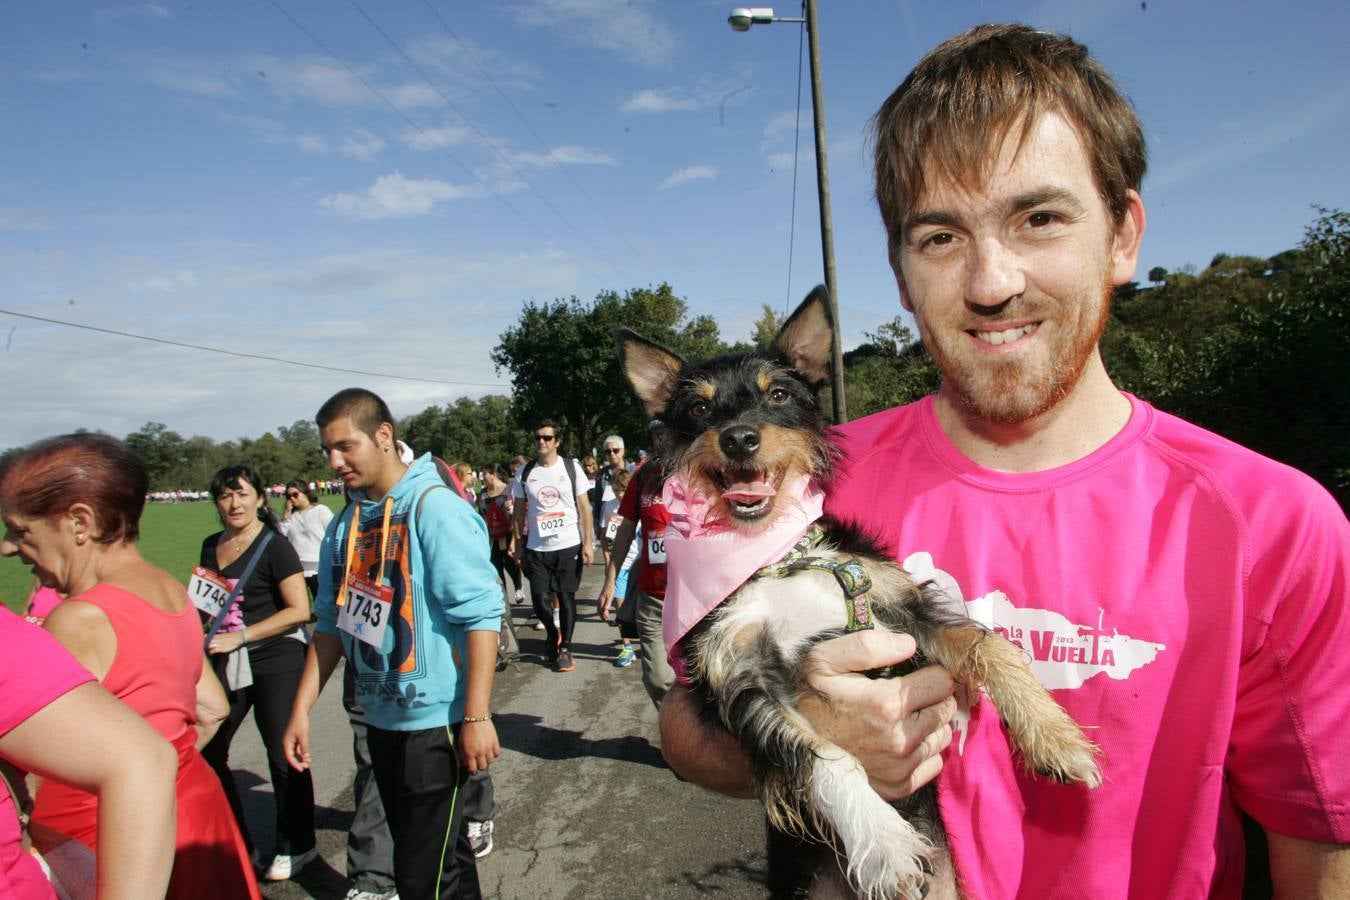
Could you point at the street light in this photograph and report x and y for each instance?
(740, 19)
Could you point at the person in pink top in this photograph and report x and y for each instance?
(72, 508)
(56, 723)
(1184, 598)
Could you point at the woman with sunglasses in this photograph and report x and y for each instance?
(303, 523)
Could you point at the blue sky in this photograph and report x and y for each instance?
(209, 174)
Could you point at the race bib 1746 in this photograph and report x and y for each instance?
(208, 590)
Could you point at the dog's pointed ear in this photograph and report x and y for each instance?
(651, 369)
(807, 337)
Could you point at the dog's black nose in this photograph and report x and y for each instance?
(739, 442)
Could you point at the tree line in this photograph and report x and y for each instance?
(1251, 348)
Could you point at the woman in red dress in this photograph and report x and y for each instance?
(73, 506)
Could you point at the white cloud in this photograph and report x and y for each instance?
(447, 135)
(630, 28)
(361, 144)
(568, 155)
(651, 100)
(191, 78)
(394, 196)
(175, 281)
(688, 174)
(310, 142)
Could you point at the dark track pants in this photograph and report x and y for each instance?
(420, 777)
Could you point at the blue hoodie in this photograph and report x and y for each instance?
(444, 587)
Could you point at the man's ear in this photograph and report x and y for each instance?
(807, 337)
(1127, 238)
(384, 436)
(651, 369)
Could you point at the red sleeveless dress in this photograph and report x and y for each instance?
(155, 672)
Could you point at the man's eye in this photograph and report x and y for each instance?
(1041, 219)
(699, 409)
(939, 239)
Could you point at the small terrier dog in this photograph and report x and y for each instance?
(738, 430)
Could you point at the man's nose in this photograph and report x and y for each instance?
(996, 274)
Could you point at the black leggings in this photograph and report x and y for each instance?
(270, 697)
(503, 563)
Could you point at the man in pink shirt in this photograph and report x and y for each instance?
(1184, 598)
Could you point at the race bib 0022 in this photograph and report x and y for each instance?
(552, 523)
(365, 616)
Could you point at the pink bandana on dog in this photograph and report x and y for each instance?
(706, 559)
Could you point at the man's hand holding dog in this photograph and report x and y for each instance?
(896, 727)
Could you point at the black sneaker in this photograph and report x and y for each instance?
(564, 663)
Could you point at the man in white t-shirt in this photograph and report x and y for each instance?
(560, 536)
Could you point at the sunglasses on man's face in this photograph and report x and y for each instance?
(546, 438)
(613, 449)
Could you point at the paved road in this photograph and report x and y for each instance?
(589, 808)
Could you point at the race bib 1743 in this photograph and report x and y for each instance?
(365, 616)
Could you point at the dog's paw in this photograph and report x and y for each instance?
(1071, 759)
(885, 855)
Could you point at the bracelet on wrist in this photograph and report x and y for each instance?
(486, 718)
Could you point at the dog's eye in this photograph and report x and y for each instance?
(699, 409)
(779, 395)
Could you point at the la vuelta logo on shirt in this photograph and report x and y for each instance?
(1063, 654)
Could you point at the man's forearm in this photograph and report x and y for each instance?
(481, 669)
(704, 753)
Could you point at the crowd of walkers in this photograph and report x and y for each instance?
(274, 603)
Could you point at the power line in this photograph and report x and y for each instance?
(435, 143)
(542, 143)
(485, 139)
(275, 359)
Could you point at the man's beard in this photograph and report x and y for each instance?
(1009, 392)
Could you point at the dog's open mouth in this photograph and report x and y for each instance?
(747, 493)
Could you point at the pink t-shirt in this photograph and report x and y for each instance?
(1185, 600)
(34, 671)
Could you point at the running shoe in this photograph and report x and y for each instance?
(520, 596)
(358, 894)
(480, 838)
(564, 663)
(538, 624)
(284, 867)
(626, 657)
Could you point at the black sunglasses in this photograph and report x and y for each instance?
(545, 437)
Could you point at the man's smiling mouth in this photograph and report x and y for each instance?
(1006, 336)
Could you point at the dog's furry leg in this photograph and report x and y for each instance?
(808, 785)
(1050, 741)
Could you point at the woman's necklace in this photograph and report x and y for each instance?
(245, 537)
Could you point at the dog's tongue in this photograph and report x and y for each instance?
(748, 491)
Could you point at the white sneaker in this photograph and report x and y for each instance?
(520, 596)
(480, 838)
(358, 894)
(538, 625)
(284, 867)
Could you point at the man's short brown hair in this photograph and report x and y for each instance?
(950, 117)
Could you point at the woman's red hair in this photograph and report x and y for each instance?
(49, 477)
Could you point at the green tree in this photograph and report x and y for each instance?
(564, 364)
(767, 327)
(890, 369)
(161, 451)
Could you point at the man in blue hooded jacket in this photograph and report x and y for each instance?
(407, 594)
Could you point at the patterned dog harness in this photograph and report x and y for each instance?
(851, 575)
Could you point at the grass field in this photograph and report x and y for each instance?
(171, 538)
